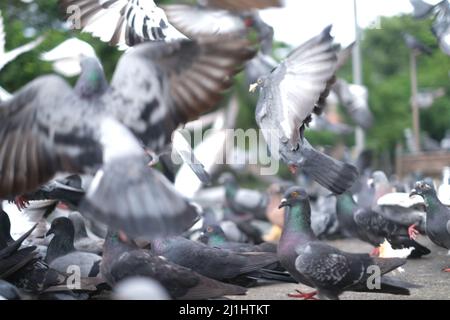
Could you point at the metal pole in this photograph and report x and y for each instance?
(360, 136)
(414, 106)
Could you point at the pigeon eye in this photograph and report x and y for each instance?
(209, 230)
(295, 194)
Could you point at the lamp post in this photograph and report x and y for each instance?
(414, 105)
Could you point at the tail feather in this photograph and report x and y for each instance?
(388, 264)
(334, 175)
(272, 275)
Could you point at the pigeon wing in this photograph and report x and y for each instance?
(244, 5)
(41, 136)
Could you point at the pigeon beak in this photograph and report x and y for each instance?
(284, 203)
(370, 182)
(253, 87)
(293, 169)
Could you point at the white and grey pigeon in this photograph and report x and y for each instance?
(287, 98)
(231, 17)
(122, 23)
(8, 56)
(50, 127)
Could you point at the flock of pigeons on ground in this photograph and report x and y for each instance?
(110, 225)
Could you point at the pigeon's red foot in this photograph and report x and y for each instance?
(412, 232)
(446, 270)
(375, 252)
(63, 206)
(21, 202)
(305, 296)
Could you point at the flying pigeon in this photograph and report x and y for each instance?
(287, 99)
(122, 23)
(414, 44)
(421, 8)
(122, 259)
(438, 216)
(354, 98)
(329, 270)
(217, 17)
(156, 87)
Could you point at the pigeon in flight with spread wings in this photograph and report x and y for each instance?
(287, 98)
(49, 127)
(133, 21)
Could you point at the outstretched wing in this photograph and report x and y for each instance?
(197, 21)
(40, 134)
(158, 86)
(300, 80)
(119, 22)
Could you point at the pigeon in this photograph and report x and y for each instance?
(122, 259)
(84, 135)
(243, 201)
(139, 288)
(421, 8)
(8, 291)
(438, 216)
(7, 57)
(62, 255)
(82, 241)
(415, 45)
(369, 225)
(329, 270)
(287, 99)
(441, 26)
(12, 256)
(215, 263)
(213, 236)
(354, 98)
(218, 17)
(134, 21)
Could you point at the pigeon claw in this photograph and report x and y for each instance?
(412, 232)
(293, 169)
(304, 296)
(446, 270)
(21, 202)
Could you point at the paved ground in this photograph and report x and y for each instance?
(425, 272)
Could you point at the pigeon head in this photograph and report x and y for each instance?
(92, 81)
(422, 189)
(214, 231)
(62, 227)
(293, 196)
(261, 83)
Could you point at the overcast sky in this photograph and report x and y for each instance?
(302, 19)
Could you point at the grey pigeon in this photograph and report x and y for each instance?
(355, 101)
(421, 8)
(214, 236)
(414, 44)
(61, 252)
(287, 99)
(8, 291)
(215, 263)
(329, 270)
(217, 17)
(134, 21)
(369, 225)
(82, 241)
(438, 216)
(79, 132)
(441, 26)
(122, 259)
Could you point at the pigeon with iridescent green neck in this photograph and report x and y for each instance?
(329, 270)
(438, 216)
